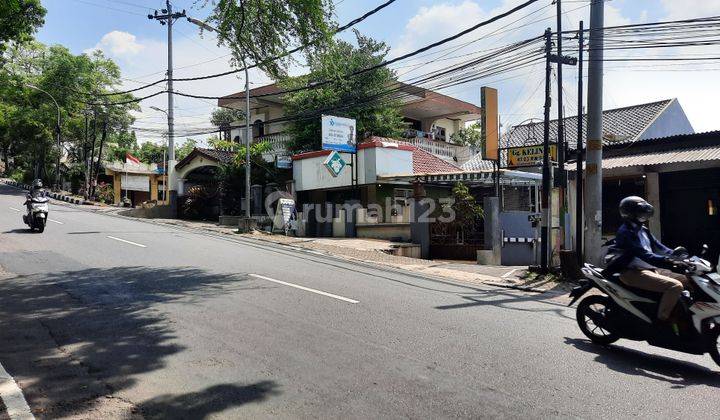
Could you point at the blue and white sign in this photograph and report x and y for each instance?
(338, 134)
(335, 163)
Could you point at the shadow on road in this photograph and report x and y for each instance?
(508, 300)
(678, 373)
(198, 405)
(20, 231)
(77, 335)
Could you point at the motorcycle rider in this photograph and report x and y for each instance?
(36, 191)
(643, 261)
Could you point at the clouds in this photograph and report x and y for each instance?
(143, 60)
(521, 92)
(686, 9)
(118, 44)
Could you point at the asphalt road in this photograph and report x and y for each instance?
(120, 318)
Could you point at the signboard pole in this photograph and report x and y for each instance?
(546, 222)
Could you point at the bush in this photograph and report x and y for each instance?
(199, 200)
(105, 193)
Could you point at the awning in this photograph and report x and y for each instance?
(507, 177)
(700, 154)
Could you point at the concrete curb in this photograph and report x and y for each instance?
(56, 196)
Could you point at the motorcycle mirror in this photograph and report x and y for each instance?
(705, 250)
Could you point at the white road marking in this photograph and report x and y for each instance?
(56, 221)
(127, 242)
(307, 289)
(12, 396)
(509, 273)
(14, 209)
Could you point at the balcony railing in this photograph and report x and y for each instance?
(448, 151)
(278, 141)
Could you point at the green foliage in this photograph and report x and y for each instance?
(356, 97)
(104, 192)
(184, 150)
(468, 136)
(466, 209)
(19, 19)
(223, 117)
(150, 152)
(28, 115)
(218, 144)
(262, 29)
(197, 200)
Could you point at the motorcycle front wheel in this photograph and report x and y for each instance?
(713, 343)
(591, 313)
(40, 225)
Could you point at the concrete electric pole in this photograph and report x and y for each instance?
(248, 127)
(167, 17)
(593, 166)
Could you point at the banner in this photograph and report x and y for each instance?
(489, 123)
(529, 155)
(338, 134)
(135, 182)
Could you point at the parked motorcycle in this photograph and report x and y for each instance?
(627, 312)
(37, 214)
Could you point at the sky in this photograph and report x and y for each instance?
(121, 29)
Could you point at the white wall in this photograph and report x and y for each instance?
(311, 173)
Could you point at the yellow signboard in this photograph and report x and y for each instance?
(529, 155)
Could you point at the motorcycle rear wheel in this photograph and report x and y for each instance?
(589, 311)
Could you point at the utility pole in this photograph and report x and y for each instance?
(248, 127)
(560, 179)
(593, 167)
(248, 136)
(167, 17)
(579, 225)
(545, 222)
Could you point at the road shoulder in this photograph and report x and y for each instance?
(54, 384)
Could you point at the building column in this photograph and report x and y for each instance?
(652, 190)
(153, 188)
(180, 187)
(117, 186)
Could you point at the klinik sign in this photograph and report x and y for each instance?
(338, 134)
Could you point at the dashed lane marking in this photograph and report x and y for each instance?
(307, 289)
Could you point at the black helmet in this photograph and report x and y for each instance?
(37, 184)
(636, 209)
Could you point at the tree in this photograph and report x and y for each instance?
(185, 149)
(467, 211)
(360, 97)
(19, 19)
(223, 118)
(468, 136)
(259, 30)
(28, 130)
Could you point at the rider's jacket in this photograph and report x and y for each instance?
(635, 247)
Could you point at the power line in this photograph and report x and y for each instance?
(283, 55)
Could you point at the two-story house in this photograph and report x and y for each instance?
(432, 118)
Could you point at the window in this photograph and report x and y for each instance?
(258, 128)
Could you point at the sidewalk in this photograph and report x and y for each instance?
(380, 252)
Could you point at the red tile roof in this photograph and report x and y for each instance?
(427, 163)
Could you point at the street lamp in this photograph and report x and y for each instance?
(248, 129)
(57, 166)
(165, 168)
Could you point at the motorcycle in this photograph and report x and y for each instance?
(37, 214)
(626, 312)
